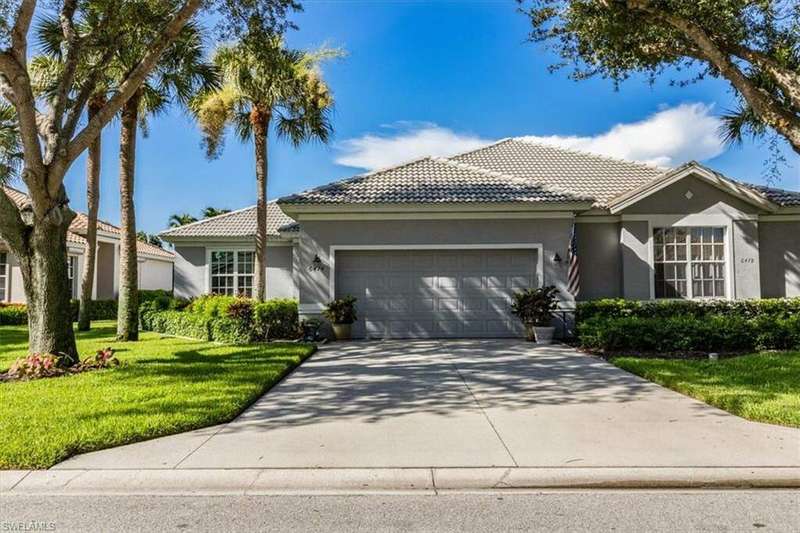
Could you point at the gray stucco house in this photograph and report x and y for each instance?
(434, 247)
(154, 263)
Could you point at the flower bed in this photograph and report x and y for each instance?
(37, 366)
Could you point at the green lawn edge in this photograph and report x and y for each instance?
(167, 385)
(762, 387)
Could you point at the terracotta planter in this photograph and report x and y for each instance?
(544, 335)
(343, 332)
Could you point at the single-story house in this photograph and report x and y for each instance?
(155, 263)
(435, 247)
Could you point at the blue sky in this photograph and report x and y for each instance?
(427, 77)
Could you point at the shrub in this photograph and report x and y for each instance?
(211, 306)
(178, 323)
(687, 333)
(104, 358)
(534, 307)
(154, 294)
(616, 308)
(13, 315)
(276, 319)
(244, 320)
(35, 366)
(341, 310)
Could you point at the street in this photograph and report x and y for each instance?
(635, 511)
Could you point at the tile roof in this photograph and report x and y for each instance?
(432, 180)
(240, 223)
(780, 197)
(598, 177)
(77, 229)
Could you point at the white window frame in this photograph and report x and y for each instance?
(72, 279)
(235, 251)
(689, 262)
(6, 277)
(695, 220)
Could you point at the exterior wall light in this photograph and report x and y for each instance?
(556, 258)
(316, 264)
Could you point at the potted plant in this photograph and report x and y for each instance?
(341, 313)
(534, 308)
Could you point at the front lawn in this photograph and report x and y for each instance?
(762, 387)
(165, 386)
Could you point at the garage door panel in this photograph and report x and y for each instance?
(435, 293)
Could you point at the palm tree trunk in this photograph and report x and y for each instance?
(128, 307)
(260, 121)
(93, 201)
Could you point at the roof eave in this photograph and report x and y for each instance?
(304, 208)
(690, 169)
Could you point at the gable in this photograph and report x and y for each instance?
(690, 195)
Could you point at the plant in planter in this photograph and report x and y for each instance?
(341, 313)
(534, 308)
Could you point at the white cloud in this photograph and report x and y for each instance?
(409, 141)
(668, 137)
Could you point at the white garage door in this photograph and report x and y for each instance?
(435, 293)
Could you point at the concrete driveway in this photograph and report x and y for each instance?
(464, 403)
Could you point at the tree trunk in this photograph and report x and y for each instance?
(47, 286)
(93, 201)
(128, 307)
(260, 121)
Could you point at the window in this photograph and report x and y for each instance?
(232, 273)
(72, 268)
(3, 276)
(689, 262)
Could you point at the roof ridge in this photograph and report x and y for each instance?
(490, 145)
(479, 170)
(592, 154)
(215, 217)
(363, 175)
(497, 174)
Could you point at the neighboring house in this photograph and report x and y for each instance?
(435, 247)
(155, 263)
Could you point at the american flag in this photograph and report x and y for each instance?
(574, 278)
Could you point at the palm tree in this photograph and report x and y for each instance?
(180, 74)
(182, 219)
(209, 212)
(10, 148)
(155, 240)
(265, 85)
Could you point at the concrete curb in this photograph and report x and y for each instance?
(394, 480)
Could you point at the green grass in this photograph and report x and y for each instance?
(762, 387)
(165, 386)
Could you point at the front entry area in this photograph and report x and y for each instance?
(434, 293)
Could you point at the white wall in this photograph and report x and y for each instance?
(155, 274)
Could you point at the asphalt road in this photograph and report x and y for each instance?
(635, 511)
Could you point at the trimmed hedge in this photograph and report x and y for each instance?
(225, 319)
(617, 308)
(619, 326)
(178, 323)
(13, 315)
(17, 314)
(100, 310)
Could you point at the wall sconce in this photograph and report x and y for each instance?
(316, 264)
(557, 259)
